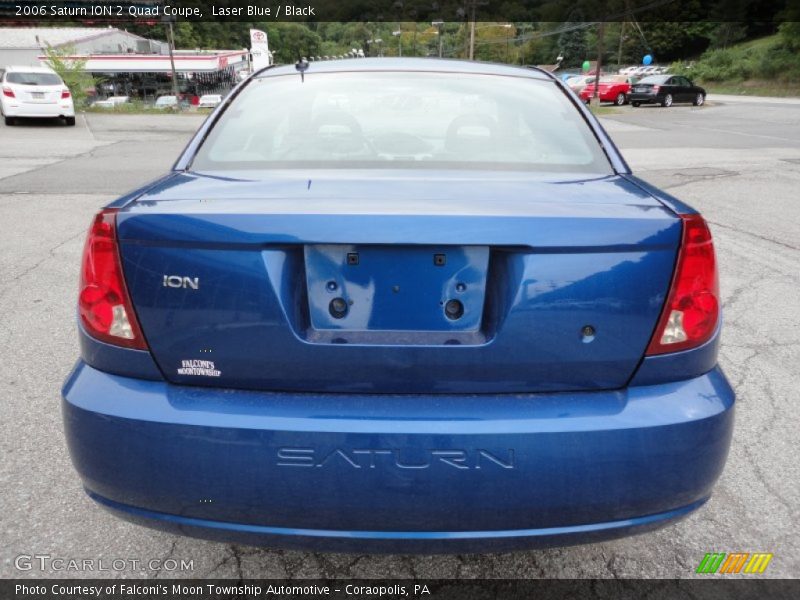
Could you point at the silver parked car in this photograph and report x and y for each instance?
(210, 101)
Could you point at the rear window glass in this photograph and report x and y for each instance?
(33, 78)
(402, 120)
(654, 79)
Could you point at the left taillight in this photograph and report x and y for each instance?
(65, 94)
(691, 312)
(8, 92)
(103, 302)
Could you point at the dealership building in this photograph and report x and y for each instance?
(125, 63)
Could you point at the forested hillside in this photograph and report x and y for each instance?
(520, 43)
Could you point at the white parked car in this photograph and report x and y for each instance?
(111, 102)
(166, 102)
(209, 101)
(35, 92)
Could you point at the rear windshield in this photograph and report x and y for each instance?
(654, 79)
(33, 78)
(402, 120)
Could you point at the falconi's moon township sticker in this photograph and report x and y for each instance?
(201, 368)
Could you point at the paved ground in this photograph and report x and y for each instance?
(738, 162)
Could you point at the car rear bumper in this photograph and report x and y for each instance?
(643, 98)
(398, 473)
(31, 110)
(603, 97)
(40, 110)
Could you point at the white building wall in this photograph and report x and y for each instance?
(113, 42)
(19, 56)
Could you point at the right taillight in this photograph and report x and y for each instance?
(691, 312)
(104, 304)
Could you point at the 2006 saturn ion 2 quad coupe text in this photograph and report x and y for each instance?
(399, 305)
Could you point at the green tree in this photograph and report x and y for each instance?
(572, 44)
(71, 70)
(185, 36)
(495, 42)
(790, 28)
(294, 41)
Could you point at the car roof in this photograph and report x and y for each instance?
(28, 69)
(432, 65)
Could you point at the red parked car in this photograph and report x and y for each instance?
(612, 89)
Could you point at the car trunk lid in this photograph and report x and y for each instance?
(477, 283)
(39, 94)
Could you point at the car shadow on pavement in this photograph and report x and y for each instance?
(39, 122)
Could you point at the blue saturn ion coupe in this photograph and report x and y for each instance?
(402, 306)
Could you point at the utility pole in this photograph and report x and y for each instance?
(438, 25)
(472, 32)
(171, 42)
(399, 35)
(601, 31)
(633, 24)
(473, 5)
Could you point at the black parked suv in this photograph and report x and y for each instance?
(666, 90)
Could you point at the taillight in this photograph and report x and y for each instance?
(8, 92)
(656, 88)
(691, 312)
(104, 304)
(65, 94)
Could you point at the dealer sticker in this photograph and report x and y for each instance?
(200, 368)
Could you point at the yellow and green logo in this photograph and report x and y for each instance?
(736, 562)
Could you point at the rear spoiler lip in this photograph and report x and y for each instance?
(678, 207)
(132, 196)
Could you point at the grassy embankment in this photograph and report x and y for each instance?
(137, 107)
(602, 111)
(762, 67)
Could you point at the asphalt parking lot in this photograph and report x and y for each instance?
(738, 161)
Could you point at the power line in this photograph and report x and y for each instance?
(578, 26)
